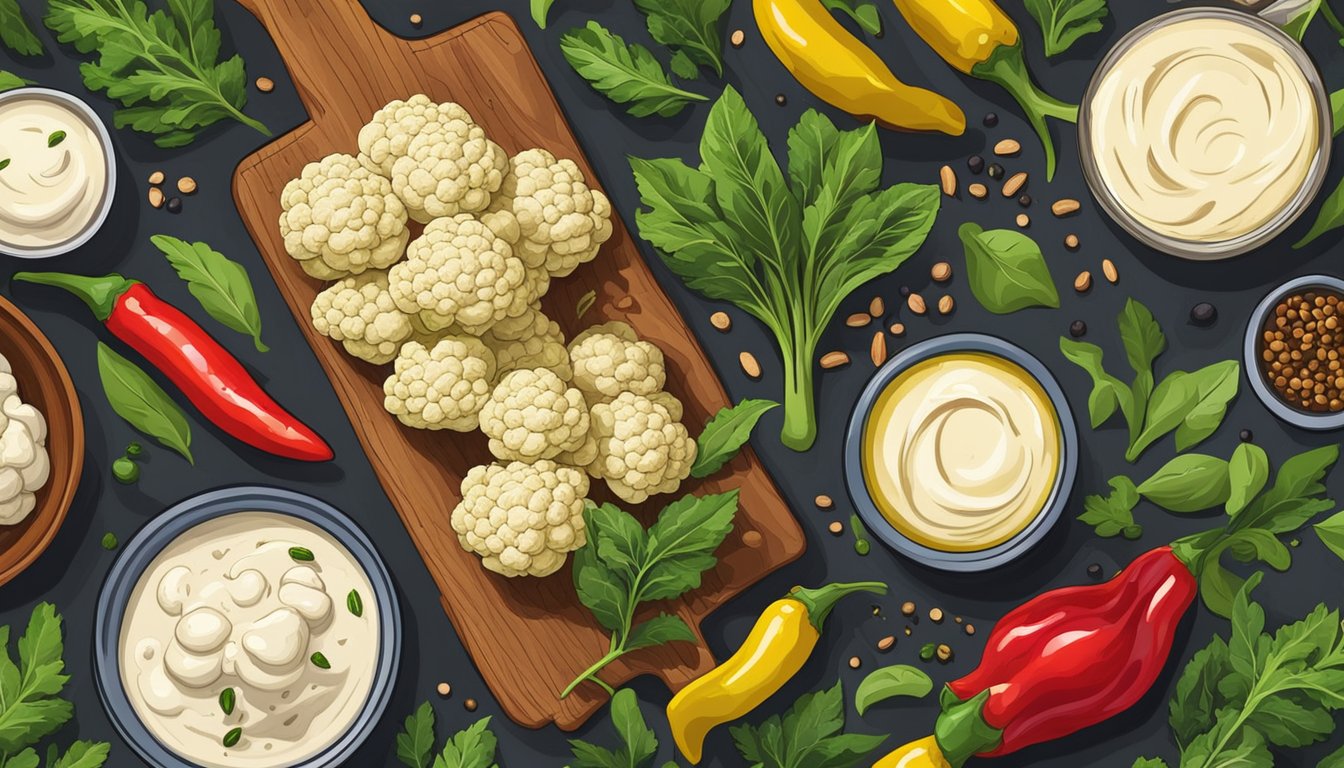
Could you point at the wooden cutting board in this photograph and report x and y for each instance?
(529, 637)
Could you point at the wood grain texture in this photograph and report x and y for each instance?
(528, 637)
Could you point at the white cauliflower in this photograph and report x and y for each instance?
(443, 387)
(550, 214)
(533, 414)
(459, 272)
(641, 450)
(439, 160)
(531, 340)
(24, 464)
(522, 519)
(359, 312)
(339, 218)
(609, 359)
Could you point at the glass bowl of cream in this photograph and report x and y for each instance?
(1205, 132)
(58, 173)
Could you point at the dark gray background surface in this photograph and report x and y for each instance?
(71, 572)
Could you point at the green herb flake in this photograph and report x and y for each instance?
(301, 554)
(15, 33)
(320, 661)
(228, 698)
(134, 449)
(861, 543)
(888, 682)
(4, 164)
(125, 471)
(927, 651)
(110, 541)
(585, 303)
(55, 138)
(355, 603)
(232, 738)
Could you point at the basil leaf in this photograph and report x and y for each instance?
(1108, 392)
(1333, 760)
(1193, 404)
(726, 433)
(1248, 471)
(220, 284)
(1113, 515)
(888, 682)
(626, 74)
(135, 397)
(540, 9)
(1063, 22)
(1006, 270)
(1190, 483)
(415, 743)
(1331, 532)
(691, 28)
(1330, 217)
(863, 14)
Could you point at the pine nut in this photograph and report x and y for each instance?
(916, 304)
(1064, 207)
(978, 190)
(1108, 269)
(156, 178)
(948, 178)
(156, 197)
(877, 307)
(824, 502)
(1014, 184)
(721, 321)
(858, 319)
(898, 329)
(1007, 148)
(739, 37)
(1071, 242)
(1023, 220)
(750, 365)
(186, 185)
(878, 351)
(833, 360)
(886, 643)
(946, 305)
(1083, 282)
(941, 272)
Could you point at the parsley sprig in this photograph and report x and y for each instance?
(473, 747)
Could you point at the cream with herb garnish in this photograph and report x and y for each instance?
(251, 641)
(53, 173)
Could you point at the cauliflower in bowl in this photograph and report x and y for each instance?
(339, 218)
(533, 414)
(642, 450)
(609, 359)
(440, 387)
(359, 312)
(522, 519)
(24, 464)
(439, 160)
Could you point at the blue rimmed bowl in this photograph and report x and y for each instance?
(1284, 411)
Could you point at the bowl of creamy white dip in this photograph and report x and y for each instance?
(1205, 132)
(247, 627)
(58, 173)
(961, 452)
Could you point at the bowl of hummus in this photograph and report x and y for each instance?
(961, 452)
(1205, 132)
(247, 628)
(58, 173)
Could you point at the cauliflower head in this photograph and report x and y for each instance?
(459, 272)
(359, 312)
(531, 340)
(24, 464)
(550, 214)
(533, 414)
(440, 387)
(609, 359)
(522, 519)
(439, 160)
(641, 450)
(339, 218)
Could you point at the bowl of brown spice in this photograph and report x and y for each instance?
(1295, 352)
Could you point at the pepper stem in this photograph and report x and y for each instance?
(820, 600)
(1006, 67)
(961, 729)
(100, 293)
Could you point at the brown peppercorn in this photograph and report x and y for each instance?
(1301, 351)
(469, 705)
(445, 690)
(908, 608)
(855, 662)
(936, 615)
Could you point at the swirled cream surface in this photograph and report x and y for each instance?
(1204, 130)
(236, 605)
(54, 176)
(961, 451)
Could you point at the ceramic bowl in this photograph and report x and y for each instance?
(1251, 356)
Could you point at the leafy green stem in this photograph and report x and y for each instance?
(1332, 19)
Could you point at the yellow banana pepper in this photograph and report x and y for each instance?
(776, 649)
(923, 753)
(978, 38)
(840, 70)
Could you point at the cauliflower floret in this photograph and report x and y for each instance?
(339, 218)
(25, 466)
(641, 450)
(460, 272)
(531, 340)
(550, 214)
(443, 387)
(360, 313)
(439, 160)
(533, 414)
(609, 359)
(522, 519)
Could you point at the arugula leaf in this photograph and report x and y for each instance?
(163, 67)
(415, 743)
(1329, 218)
(1063, 22)
(540, 9)
(138, 399)
(1290, 503)
(888, 682)
(726, 433)
(1108, 392)
(82, 754)
(1006, 270)
(473, 747)
(640, 745)
(626, 74)
(1192, 482)
(864, 14)
(8, 82)
(1248, 471)
(219, 283)
(808, 735)
(15, 32)
(1331, 532)
(688, 27)
(1113, 515)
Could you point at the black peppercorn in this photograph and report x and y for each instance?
(1077, 328)
(905, 291)
(1094, 570)
(781, 99)
(1246, 435)
(991, 120)
(174, 205)
(995, 171)
(1024, 201)
(975, 163)
(1203, 313)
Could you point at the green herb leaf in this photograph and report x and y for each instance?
(15, 32)
(691, 28)
(1248, 471)
(109, 541)
(233, 737)
(682, 544)
(228, 699)
(540, 9)
(1333, 760)
(8, 82)
(1143, 340)
(1149, 762)
(1337, 110)
(1290, 503)
(473, 747)
(301, 554)
(810, 733)
(81, 754)
(320, 661)
(1006, 270)
(1331, 532)
(660, 629)
(354, 603)
(163, 67)
(626, 74)
(864, 14)
(1197, 693)
(1296, 26)
(220, 284)
(889, 682)
(1190, 483)
(1113, 515)
(1108, 392)
(1330, 217)
(4, 164)
(726, 433)
(135, 397)
(1063, 22)
(682, 66)
(585, 303)
(862, 546)
(927, 650)
(640, 745)
(55, 139)
(415, 743)
(29, 705)
(1193, 404)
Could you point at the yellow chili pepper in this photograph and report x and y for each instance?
(776, 649)
(923, 753)
(978, 38)
(845, 73)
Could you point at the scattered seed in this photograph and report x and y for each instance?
(970, 629)
(977, 190)
(265, 84)
(738, 38)
(1246, 436)
(936, 615)
(855, 662)
(1108, 269)
(781, 99)
(995, 171)
(886, 643)
(878, 349)
(174, 205)
(1094, 570)
(898, 329)
(944, 652)
(975, 164)
(1014, 184)
(156, 178)
(469, 705)
(1203, 313)
(1023, 220)
(946, 304)
(156, 197)
(877, 307)
(186, 185)
(1071, 242)
(858, 319)
(877, 610)
(1024, 200)
(948, 179)
(750, 366)
(721, 321)
(1077, 329)
(991, 120)
(941, 272)
(1007, 148)
(823, 501)
(833, 360)
(1064, 207)
(417, 20)
(916, 304)
(908, 608)
(445, 690)
(1083, 282)
(1300, 347)
(908, 631)
(836, 528)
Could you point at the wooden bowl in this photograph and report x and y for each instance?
(45, 384)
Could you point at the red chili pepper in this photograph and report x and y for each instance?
(212, 379)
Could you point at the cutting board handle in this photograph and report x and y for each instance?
(331, 48)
